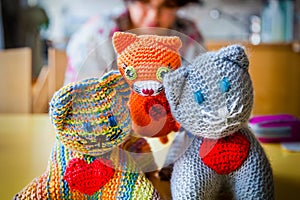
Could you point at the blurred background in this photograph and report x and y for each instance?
(269, 28)
(42, 23)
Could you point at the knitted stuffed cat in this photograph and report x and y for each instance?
(91, 117)
(212, 99)
(143, 61)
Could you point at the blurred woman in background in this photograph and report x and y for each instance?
(90, 51)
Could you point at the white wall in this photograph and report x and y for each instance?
(67, 15)
(224, 28)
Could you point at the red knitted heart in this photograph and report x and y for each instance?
(88, 178)
(226, 154)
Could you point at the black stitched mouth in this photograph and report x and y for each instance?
(79, 142)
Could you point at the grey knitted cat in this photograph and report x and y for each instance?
(212, 99)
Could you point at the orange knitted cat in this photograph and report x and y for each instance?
(143, 61)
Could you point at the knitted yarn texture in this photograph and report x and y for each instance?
(91, 116)
(212, 99)
(143, 61)
(91, 119)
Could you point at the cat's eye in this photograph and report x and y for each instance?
(224, 85)
(87, 127)
(161, 72)
(112, 121)
(130, 73)
(199, 98)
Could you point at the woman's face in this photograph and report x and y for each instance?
(152, 13)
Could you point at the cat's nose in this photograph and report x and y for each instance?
(147, 92)
(223, 112)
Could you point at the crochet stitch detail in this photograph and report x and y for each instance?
(225, 155)
(88, 178)
(212, 99)
(91, 119)
(143, 61)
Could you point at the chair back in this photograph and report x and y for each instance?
(57, 63)
(16, 80)
(50, 79)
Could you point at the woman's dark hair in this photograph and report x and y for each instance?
(171, 3)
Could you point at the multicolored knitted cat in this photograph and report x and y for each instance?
(143, 61)
(91, 119)
(212, 99)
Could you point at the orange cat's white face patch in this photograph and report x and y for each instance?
(150, 85)
(147, 88)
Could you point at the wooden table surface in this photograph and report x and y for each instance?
(26, 141)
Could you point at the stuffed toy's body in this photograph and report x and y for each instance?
(91, 119)
(212, 100)
(143, 61)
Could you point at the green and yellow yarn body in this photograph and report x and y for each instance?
(126, 183)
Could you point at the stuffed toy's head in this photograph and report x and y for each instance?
(213, 96)
(143, 61)
(92, 116)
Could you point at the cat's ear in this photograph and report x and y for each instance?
(114, 80)
(173, 42)
(60, 105)
(236, 54)
(121, 40)
(174, 83)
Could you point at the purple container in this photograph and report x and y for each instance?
(276, 128)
